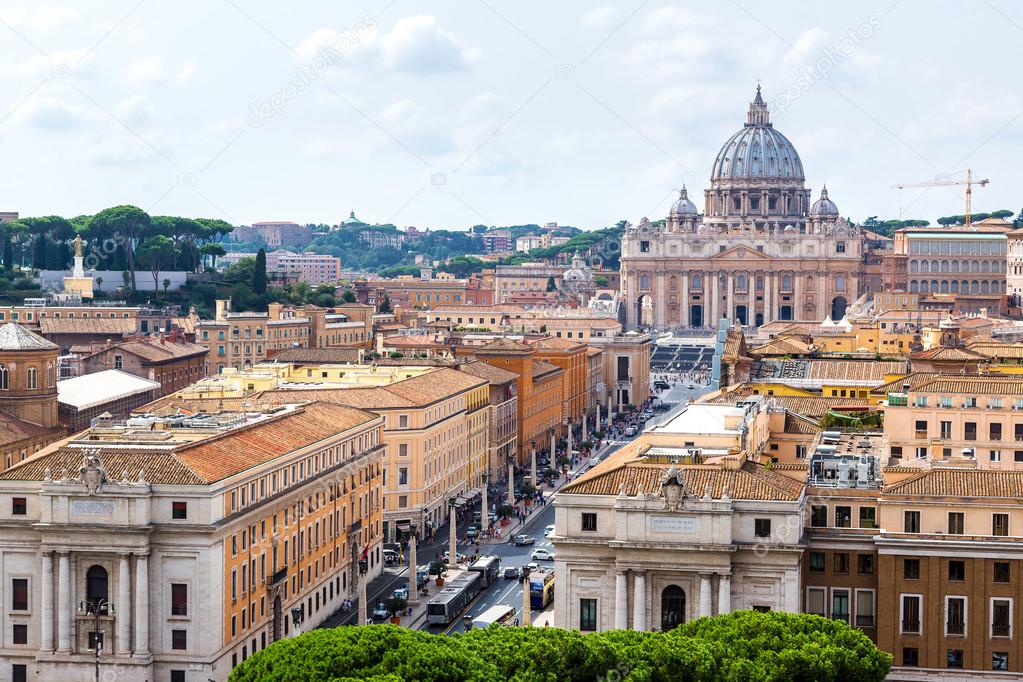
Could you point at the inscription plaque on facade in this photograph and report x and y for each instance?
(91, 509)
(673, 524)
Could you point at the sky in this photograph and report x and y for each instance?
(449, 114)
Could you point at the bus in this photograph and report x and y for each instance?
(541, 589)
(489, 568)
(454, 598)
(502, 614)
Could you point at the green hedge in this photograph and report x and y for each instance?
(743, 646)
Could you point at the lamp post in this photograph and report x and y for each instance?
(511, 480)
(485, 503)
(95, 608)
(527, 616)
(532, 463)
(452, 535)
(363, 570)
(413, 574)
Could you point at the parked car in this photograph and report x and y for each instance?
(521, 540)
(541, 554)
(380, 612)
(512, 572)
(690, 386)
(476, 517)
(422, 576)
(548, 531)
(461, 557)
(630, 431)
(471, 532)
(661, 385)
(533, 567)
(390, 557)
(400, 593)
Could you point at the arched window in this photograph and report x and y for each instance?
(944, 286)
(985, 287)
(32, 380)
(955, 286)
(786, 282)
(912, 286)
(760, 283)
(944, 266)
(96, 583)
(4, 378)
(673, 607)
(644, 281)
(697, 282)
(955, 266)
(840, 283)
(914, 266)
(740, 282)
(49, 374)
(974, 287)
(985, 266)
(923, 286)
(673, 283)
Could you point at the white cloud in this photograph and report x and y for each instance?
(145, 69)
(186, 72)
(414, 125)
(599, 17)
(807, 46)
(119, 152)
(45, 18)
(416, 45)
(672, 18)
(134, 111)
(322, 148)
(63, 62)
(53, 114)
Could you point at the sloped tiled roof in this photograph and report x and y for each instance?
(797, 423)
(492, 373)
(542, 369)
(155, 351)
(961, 483)
(782, 346)
(504, 344)
(15, 337)
(318, 356)
(948, 354)
(114, 326)
(625, 470)
(13, 429)
(555, 343)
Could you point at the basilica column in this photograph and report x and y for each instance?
(769, 312)
(705, 595)
(621, 600)
(142, 605)
(123, 605)
(714, 300)
(63, 602)
(797, 296)
(639, 602)
(684, 302)
(731, 296)
(660, 299)
(47, 601)
(724, 593)
(823, 302)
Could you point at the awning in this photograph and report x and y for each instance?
(461, 501)
(472, 494)
(403, 527)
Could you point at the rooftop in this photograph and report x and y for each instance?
(98, 388)
(15, 337)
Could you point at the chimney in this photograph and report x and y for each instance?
(163, 340)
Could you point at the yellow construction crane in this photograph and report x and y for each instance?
(969, 182)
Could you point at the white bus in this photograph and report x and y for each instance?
(502, 614)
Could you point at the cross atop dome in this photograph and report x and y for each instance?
(758, 115)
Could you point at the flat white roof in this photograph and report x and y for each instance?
(97, 388)
(700, 418)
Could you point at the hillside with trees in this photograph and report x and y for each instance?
(745, 645)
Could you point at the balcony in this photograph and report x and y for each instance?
(864, 621)
(1000, 630)
(955, 628)
(278, 577)
(898, 400)
(911, 627)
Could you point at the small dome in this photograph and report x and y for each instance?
(352, 220)
(789, 229)
(683, 206)
(824, 206)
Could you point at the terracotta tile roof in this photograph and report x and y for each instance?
(813, 407)
(503, 344)
(555, 343)
(114, 326)
(782, 346)
(591, 351)
(433, 386)
(185, 324)
(791, 466)
(412, 341)
(206, 461)
(972, 384)
(735, 345)
(948, 354)
(797, 423)
(625, 470)
(854, 370)
(492, 373)
(897, 385)
(995, 350)
(319, 356)
(961, 483)
(153, 351)
(13, 429)
(366, 398)
(542, 369)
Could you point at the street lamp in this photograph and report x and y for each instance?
(96, 607)
(363, 570)
(527, 616)
(452, 534)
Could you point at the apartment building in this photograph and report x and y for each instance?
(409, 292)
(312, 268)
(498, 241)
(243, 339)
(168, 359)
(535, 277)
(200, 539)
(503, 414)
(571, 357)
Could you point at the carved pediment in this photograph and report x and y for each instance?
(741, 252)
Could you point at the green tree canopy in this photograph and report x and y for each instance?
(745, 645)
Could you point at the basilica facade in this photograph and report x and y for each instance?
(761, 250)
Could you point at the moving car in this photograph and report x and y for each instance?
(542, 554)
(390, 557)
(380, 612)
(661, 385)
(400, 593)
(512, 572)
(690, 386)
(521, 540)
(548, 531)
(471, 532)
(461, 557)
(630, 431)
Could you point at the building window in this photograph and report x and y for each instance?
(589, 521)
(816, 562)
(800, 452)
(179, 639)
(1001, 617)
(32, 382)
(843, 517)
(910, 613)
(19, 506)
(911, 521)
(177, 676)
(118, 362)
(1000, 524)
(911, 569)
(403, 476)
(865, 608)
(179, 510)
(762, 528)
(999, 660)
(587, 615)
(868, 517)
(1001, 572)
(815, 601)
(840, 604)
(819, 516)
(19, 633)
(841, 562)
(865, 564)
(970, 431)
(19, 594)
(957, 570)
(955, 659)
(644, 247)
(910, 656)
(403, 421)
(956, 523)
(955, 616)
(179, 599)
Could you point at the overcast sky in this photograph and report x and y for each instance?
(448, 114)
